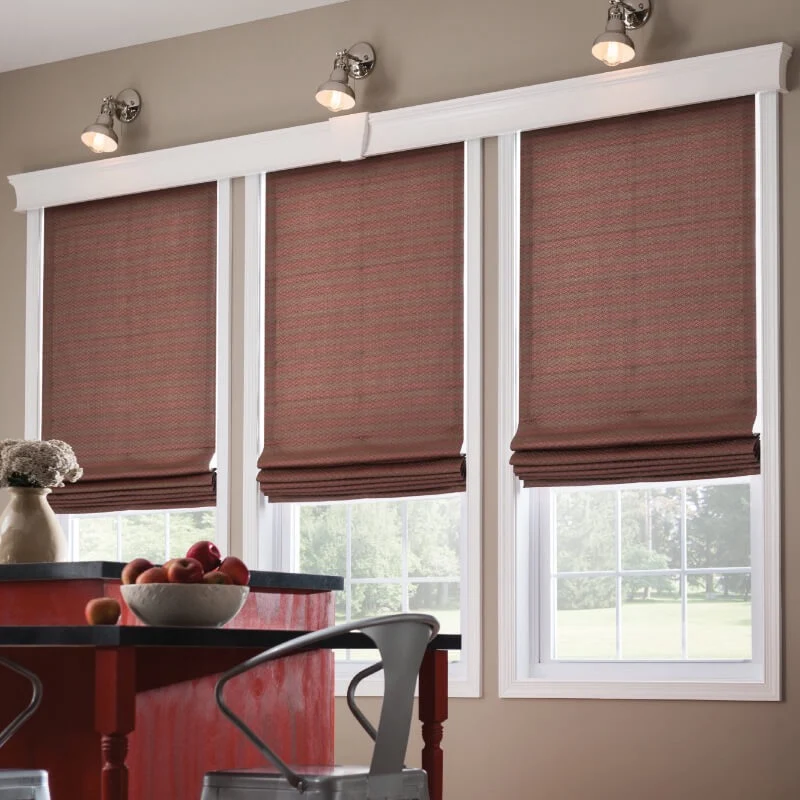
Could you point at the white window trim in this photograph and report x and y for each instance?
(34, 298)
(270, 547)
(759, 680)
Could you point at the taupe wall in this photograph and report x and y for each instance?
(262, 76)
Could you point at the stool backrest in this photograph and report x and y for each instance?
(30, 709)
(401, 640)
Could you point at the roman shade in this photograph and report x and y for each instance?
(364, 328)
(129, 341)
(637, 306)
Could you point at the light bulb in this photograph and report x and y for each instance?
(99, 143)
(335, 100)
(613, 53)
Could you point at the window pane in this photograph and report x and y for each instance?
(97, 538)
(188, 527)
(377, 539)
(434, 532)
(442, 600)
(586, 625)
(323, 539)
(718, 527)
(651, 528)
(719, 617)
(374, 599)
(144, 536)
(585, 530)
(651, 617)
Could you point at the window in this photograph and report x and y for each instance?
(661, 589)
(403, 553)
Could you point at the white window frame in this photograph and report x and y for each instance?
(524, 671)
(757, 70)
(274, 547)
(34, 298)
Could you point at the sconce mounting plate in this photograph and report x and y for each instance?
(129, 104)
(361, 60)
(634, 14)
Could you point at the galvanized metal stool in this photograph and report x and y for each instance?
(23, 784)
(401, 640)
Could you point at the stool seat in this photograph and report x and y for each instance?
(322, 783)
(24, 784)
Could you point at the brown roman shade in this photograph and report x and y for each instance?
(364, 328)
(129, 377)
(637, 308)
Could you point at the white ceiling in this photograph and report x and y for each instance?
(40, 31)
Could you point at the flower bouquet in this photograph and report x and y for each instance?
(38, 464)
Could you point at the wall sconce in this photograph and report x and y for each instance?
(614, 47)
(100, 137)
(357, 62)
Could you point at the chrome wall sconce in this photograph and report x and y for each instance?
(100, 137)
(357, 62)
(614, 47)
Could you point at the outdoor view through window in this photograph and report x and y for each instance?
(652, 572)
(395, 555)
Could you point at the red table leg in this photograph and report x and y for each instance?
(432, 713)
(115, 716)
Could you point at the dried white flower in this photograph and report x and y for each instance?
(42, 464)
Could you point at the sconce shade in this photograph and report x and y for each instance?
(100, 137)
(614, 47)
(336, 94)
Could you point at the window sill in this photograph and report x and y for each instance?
(758, 691)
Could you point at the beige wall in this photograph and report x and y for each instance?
(262, 76)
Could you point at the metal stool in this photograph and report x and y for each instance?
(402, 640)
(23, 784)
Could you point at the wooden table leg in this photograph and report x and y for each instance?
(433, 713)
(115, 716)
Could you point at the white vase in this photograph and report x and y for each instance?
(29, 530)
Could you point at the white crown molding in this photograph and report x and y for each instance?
(693, 80)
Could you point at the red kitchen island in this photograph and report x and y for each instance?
(128, 711)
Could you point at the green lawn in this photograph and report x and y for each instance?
(716, 629)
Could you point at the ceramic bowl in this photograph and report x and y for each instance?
(185, 604)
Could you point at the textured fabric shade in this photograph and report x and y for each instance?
(129, 370)
(637, 307)
(364, 329)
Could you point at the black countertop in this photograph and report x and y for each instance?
(111, 570)
(145, 636)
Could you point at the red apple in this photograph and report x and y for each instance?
(102, 611)
(207, 553)
(236, 570)
(185, 570)
(215, 576)
(133, 569)
(153, 575)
